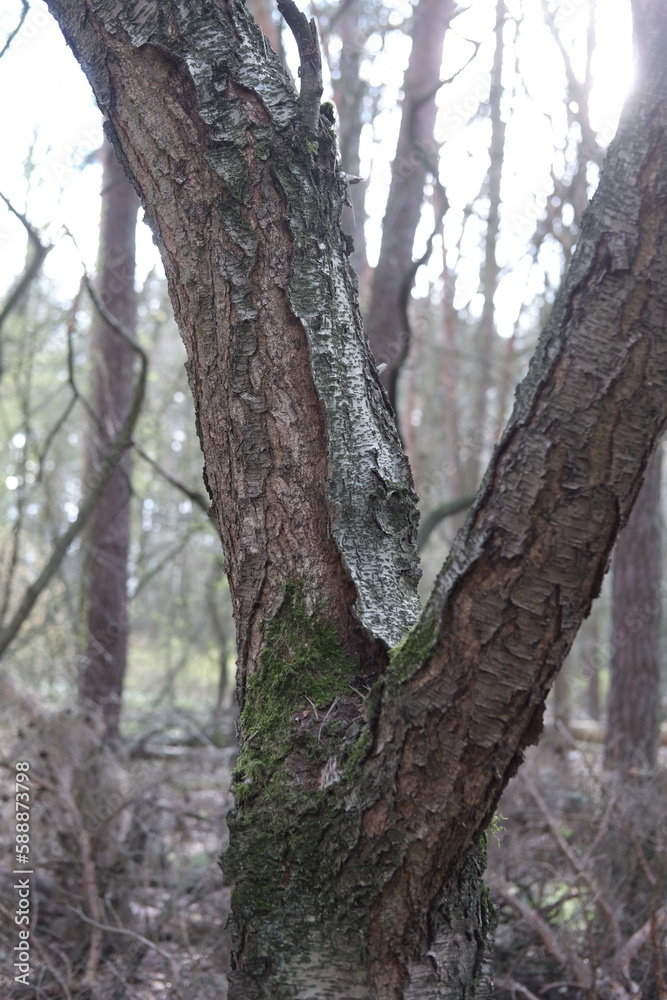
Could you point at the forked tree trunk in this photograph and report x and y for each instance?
(365, 781)
(103, 669)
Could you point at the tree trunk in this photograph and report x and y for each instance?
(416, 157)
(485, 335)
(365, 780)
(350, 89)
(103, 672)
(633, 723)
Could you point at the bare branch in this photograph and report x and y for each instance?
(41, 951)
(136, 937)
(117, 447)
(310, 70)
(598, 896)
(30, 272)
(438, 514)
(195, 496)
(512, 986)
(535, 921)
(634, 944)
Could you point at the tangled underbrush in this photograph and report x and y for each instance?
(126, 897)
(580, 878)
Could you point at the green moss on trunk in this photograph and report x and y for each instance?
(301, 732)
(302, 671)
(413, 651)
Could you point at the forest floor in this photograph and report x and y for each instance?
(128, 901)
(149, 871)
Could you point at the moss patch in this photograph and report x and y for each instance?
(328, 111)
(302, 671)
(414, 649)
(300, 714)
(357, 754)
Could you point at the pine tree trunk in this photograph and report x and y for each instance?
(103, 671)
(633, 723)
(416, 158)
(485, 335)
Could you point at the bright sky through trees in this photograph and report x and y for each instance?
(51, 124)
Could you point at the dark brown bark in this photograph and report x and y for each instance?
(633, 722)
(103, 669)
(355, 842)
(416, 158)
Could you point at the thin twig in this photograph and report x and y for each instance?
(42, 952)
(329, 711)
(117, 449)
(534, 920)
(31, 270)
(438, 514)
(137, 937)
(12, 34)
(512, 986)
(197, 498)
(634, 944)
(598, 896)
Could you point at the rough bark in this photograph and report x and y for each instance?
(105, 660)
(355, 843)
(416, 158)
(633, 724)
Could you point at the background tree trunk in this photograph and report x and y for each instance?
(633, 722)
(416, 157)
(103, 671)
(485, 336)
(350, 91)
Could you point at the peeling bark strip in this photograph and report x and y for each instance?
(244, 207)
(356, 839)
